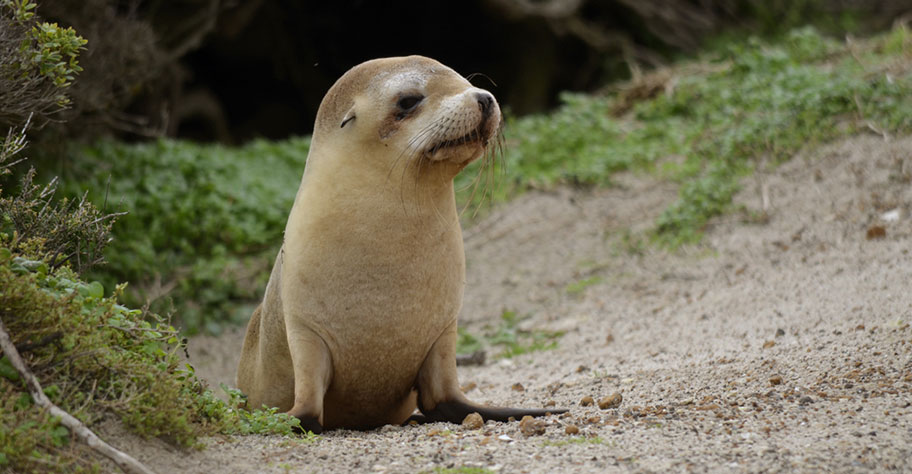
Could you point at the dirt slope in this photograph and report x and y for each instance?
(782, 344)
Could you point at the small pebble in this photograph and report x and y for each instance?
(611, 401)
(586, 401)
(518, 387)
(571, 429)
(768, 344)
(775, 380)
(531, 426)
(472, 421)
(876, 232)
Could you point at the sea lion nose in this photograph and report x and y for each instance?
(485, 102)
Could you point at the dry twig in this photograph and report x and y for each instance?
(126, 462)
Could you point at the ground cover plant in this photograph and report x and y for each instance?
(707, 124)
(507, 338)
(205, 221)
(97, 357)
(93, 356)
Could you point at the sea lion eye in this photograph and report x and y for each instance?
(409, 102)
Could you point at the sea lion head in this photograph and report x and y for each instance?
(411, 107)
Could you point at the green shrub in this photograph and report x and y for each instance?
(94, 356)
(38, 61)
(203, 222)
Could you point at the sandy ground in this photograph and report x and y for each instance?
(779, 344)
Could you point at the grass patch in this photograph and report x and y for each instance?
(578, 287)
(509, 338)
(752, 104)
(95, 356)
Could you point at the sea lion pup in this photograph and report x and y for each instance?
(358, 323)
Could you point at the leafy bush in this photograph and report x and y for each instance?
(38, 61)
(70, 232)
(203, 225)
(95, 356)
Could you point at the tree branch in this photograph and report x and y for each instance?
(126, 462)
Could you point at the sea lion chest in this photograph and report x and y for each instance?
(378, 282)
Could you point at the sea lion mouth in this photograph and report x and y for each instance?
(475, 136)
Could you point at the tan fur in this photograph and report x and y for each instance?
(359, 315)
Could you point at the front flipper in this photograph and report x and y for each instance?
(439, 395)
(312, 364)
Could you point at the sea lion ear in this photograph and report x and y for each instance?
(349, 116)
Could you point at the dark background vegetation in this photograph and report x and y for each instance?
(230, 70)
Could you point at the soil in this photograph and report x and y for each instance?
(782, 342)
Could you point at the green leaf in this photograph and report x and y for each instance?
(96, 290)
(7, 370)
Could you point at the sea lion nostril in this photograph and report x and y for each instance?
(485, 101)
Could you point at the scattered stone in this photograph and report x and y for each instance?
(775, 380)
(518, 387)
(780, 332)
(550, 403)
(531, 426)
(806, 400)
(472, 421)
(768, 344)
(582, 368)
(860, 327)
(586, 401)
(571, 429)
(890, 216)
(468, 387)
(609, 338)
(611, 401)
(876, 232)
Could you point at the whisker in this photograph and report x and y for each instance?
(476, 74)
